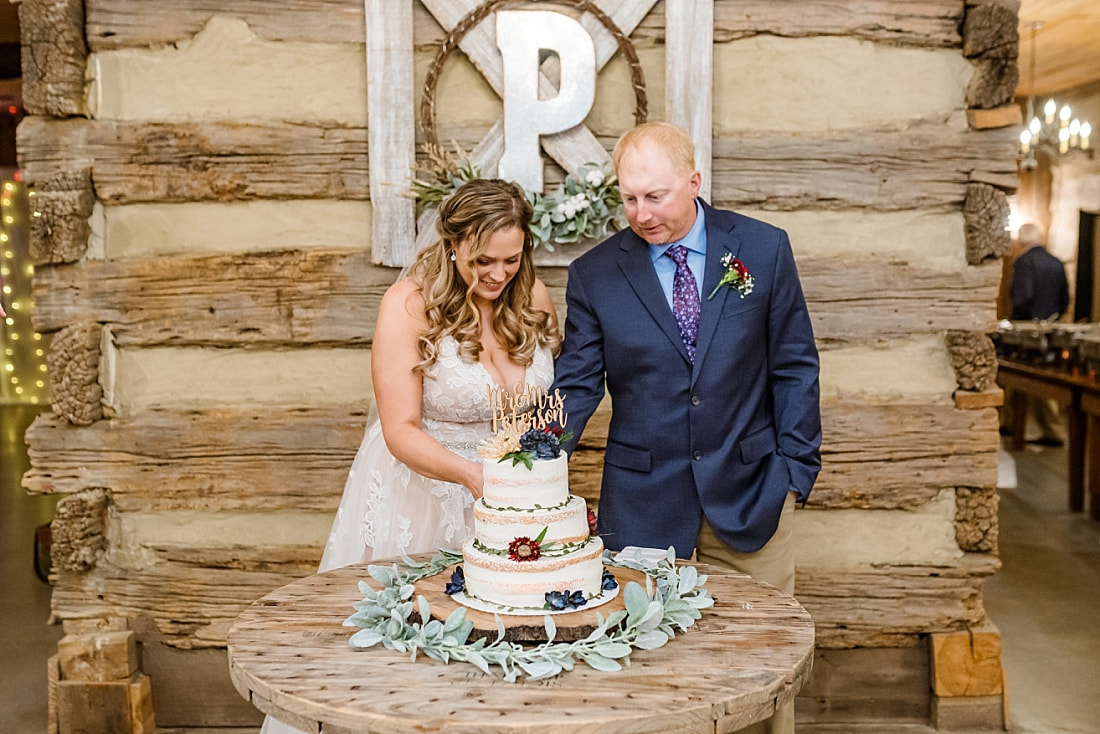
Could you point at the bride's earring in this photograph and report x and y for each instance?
(453, 257)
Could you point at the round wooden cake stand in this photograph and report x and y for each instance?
(289, 656)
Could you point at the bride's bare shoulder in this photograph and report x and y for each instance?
(405, 290)
(403, 300)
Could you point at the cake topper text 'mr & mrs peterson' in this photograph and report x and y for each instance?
(524, 408)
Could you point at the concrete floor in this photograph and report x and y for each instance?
(1045, 600)
(26, 638)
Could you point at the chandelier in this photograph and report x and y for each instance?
(1054, 130)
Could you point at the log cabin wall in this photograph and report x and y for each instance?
(204, 264)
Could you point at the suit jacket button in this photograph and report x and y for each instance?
(697, 455)
(695, 400)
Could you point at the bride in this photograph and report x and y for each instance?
(470, 315)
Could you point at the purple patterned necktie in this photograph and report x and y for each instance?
(685, 299)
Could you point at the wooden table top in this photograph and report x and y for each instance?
(289, 655)
(1049, 374)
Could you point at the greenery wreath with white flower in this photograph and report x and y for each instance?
(580, 208)
(651, 618)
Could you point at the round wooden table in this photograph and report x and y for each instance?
(289, 656)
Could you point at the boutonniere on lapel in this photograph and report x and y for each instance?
(736, 275)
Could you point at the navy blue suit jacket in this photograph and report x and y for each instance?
(729, 435)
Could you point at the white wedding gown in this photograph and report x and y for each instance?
(388, 509)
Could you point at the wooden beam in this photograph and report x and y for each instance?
(126, 24)
(98, 656)
(391, 128)
(79, 528)
(292, 297)
(184, 460)
(689, 77)
(976, 526)
(62, 204)
(990, 31)
(892, 456)
(923, 166)
(972, 400)
(54, 56)
(974, 359)
(967, 662)
(926, 165)
(993, 84)
(73, 367)
(891, 606)
(986, 212)
(310, 297)
(208, 161)
(1008, 116)
(990, 37)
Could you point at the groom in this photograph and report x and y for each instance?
(694, 320)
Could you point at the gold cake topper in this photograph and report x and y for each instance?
(527, 406)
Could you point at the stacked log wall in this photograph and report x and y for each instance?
(211, 252)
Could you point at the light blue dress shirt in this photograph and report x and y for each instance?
(696, 243)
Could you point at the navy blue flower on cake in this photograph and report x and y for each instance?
(559, 600)
(538, 444)
(457, 582)
(609, 581)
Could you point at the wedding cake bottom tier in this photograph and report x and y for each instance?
(497, 527)
(524, 584)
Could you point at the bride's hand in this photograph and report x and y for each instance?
(475, 480)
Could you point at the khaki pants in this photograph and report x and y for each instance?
(1046, 413)
(774, 564)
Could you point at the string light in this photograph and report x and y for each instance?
(23, 349)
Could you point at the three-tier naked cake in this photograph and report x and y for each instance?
(533, 546)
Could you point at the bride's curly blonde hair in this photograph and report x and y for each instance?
(474, 213)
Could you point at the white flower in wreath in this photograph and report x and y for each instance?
(581, 208)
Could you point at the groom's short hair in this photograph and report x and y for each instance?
(671, 139)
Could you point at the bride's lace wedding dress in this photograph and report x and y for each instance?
(388, 509)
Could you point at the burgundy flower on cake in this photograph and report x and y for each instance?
(523, 549)
(593, 530)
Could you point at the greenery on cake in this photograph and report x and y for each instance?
(670, 602)
(534, 508)
(523, 549)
